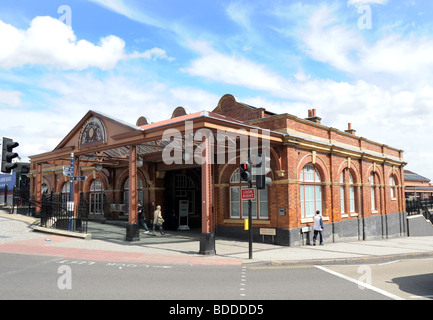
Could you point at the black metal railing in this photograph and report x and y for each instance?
(54, 214)
(416, 206)
(52, 210)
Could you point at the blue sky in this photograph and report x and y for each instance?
(368, 62)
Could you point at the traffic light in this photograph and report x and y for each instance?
(23, 167)
(245, 171)
(7, 155)
(262, 169)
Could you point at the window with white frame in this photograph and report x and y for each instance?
(342, 210)
(372, 192)
(66, 189)
(310, 191)
(96, 197)
(352, 198)
(347, 192)
(239, 208)
(392, 187)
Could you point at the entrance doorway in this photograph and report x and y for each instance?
(96, 198)
(183, 187)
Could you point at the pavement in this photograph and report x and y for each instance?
(18, 236)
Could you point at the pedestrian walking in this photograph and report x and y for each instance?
(142, 217)
(318, 227)
(157, 221)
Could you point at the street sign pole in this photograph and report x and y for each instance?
(71, 195)
(250, 215)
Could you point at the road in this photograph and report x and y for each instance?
(406, 279)
(38, 277)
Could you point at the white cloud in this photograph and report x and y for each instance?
(234, 70)
(36, 131)
(406, 58)
(10, 98)
(332, 43)
(240, 13)
(153, 54)
(392, 57)
(52, 43)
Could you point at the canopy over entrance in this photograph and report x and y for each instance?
(197, 140)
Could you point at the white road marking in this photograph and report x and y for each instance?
(385, 263)
(361, 284)
(243, 280)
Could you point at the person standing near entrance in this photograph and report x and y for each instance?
(318, 228)
(141, 217)
(158, 220)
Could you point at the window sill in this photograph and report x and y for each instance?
(310, 219)
(242, 221)
(352, 214)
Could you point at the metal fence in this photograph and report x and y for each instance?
(54, 214)
(52, 210)
(415, 206)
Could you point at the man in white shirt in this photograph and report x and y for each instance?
(318, 227)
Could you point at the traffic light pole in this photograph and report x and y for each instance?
(250, 214)
(246, 175)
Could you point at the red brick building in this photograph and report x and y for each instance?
(356, 183)
(417, 186)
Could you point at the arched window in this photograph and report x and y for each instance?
(239, 208)
(351, 194)
(65, 193)
(96, 203)
(342, 196)
(392, 187)
(310, 191)
(347, 192)
(373, 193)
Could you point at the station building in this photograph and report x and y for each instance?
(356, 183)
(417, 187)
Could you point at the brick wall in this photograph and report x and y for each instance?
(285, 191)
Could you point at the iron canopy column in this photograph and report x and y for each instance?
(207, 236)
(132, 229)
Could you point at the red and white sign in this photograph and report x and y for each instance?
(248, 194)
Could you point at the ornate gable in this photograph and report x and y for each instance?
(93, 133)
(96, 129)
(229, 107)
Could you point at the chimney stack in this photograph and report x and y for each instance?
(312, 116)
(350, 130)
